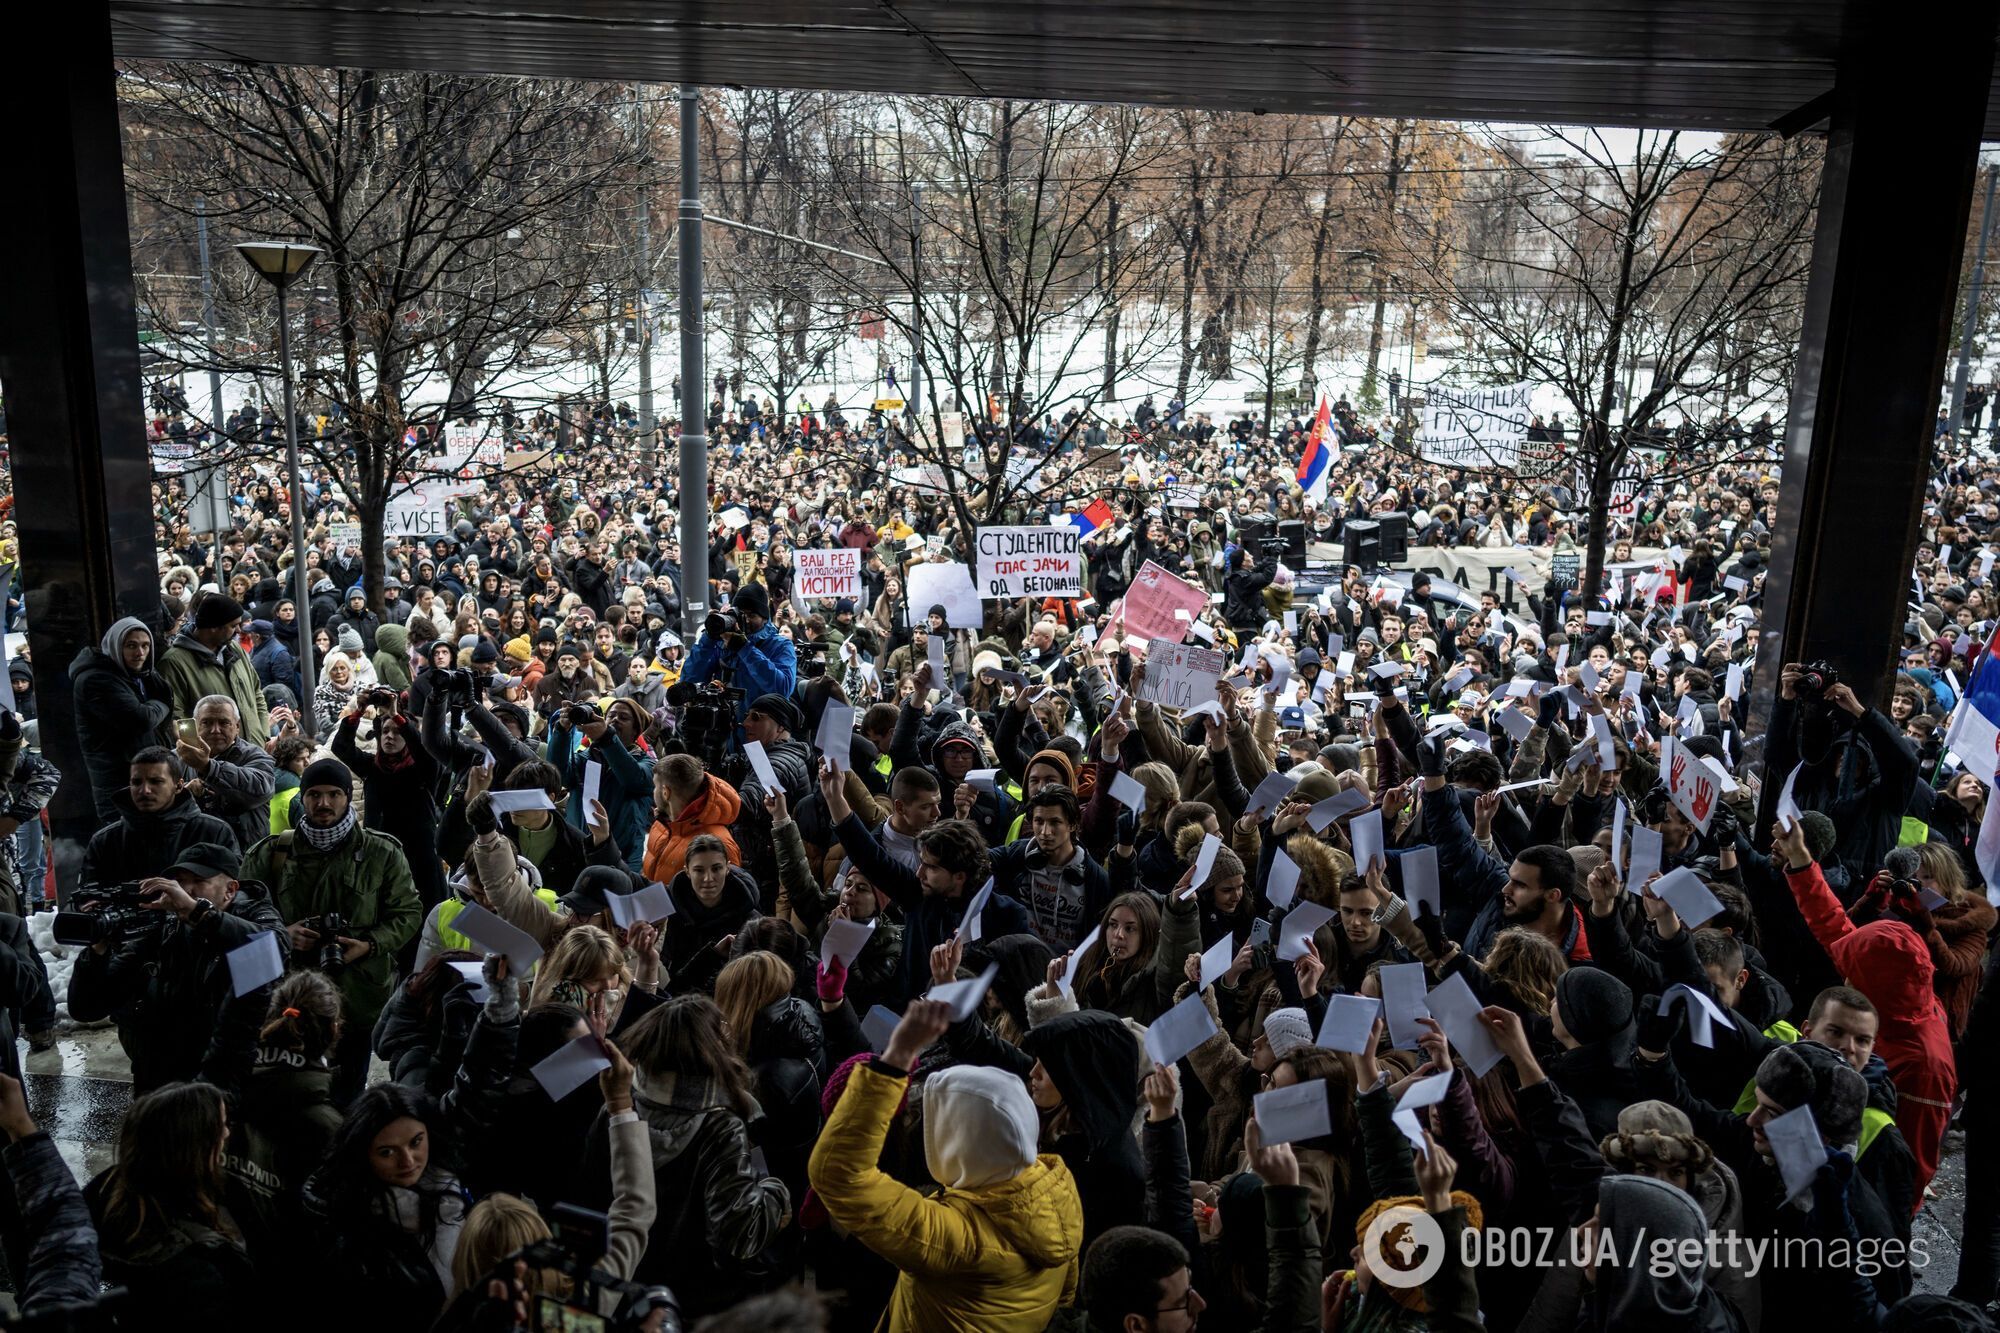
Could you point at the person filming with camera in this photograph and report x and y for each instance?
(158, 964)
(740, 641)
(1855, 767)
(348, 901)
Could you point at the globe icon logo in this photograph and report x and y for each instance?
(1404, 1247)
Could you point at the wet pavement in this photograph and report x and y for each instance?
(79, 1092)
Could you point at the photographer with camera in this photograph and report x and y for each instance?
(158, 821)
(155, 961)
(611, 740)
(1858, 770)
(347, 897)
(453, 694)
(233, 779)
(741, 642)
(397, 780)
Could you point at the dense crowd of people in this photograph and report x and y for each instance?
(861, 965)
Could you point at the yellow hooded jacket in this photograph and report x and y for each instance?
(996, 1251)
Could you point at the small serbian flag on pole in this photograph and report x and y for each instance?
(1316, 464)
(1092, 518)
(1974, 734)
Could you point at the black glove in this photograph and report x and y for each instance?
(1431, 926)
(1128, 826)
(1430, 757)
(479, 815)
(1549, 711)
(10, 725)
(1723, 825)
(1657, 1030)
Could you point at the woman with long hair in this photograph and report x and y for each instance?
(1128, 971)
(585, 962)
(159, 1211)
(387, 1199)
(718, 1213)
(779, 1037)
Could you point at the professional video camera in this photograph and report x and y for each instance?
(581, 1238)
(721, 622)
(332, 956)
(1274, 547)
(108, 915)
(1815, 679)
(708, 725)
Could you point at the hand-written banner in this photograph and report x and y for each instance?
(827, 573)
(1180, 675)
(1030, 562)
(1475, 427)
(1153, 599)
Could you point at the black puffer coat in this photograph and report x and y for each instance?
(788, 1057)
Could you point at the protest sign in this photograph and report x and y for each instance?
(827, 573)
(1151, 602)
(1181, 675)
(1475, 427)
(1693, 786)
(1030, 562)
(948, 584)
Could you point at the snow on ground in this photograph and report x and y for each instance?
(59, 959)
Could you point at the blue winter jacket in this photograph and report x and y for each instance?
(764, 664)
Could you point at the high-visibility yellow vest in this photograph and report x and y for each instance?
(449, 909)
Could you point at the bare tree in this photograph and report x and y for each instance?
(987, 231)
(461, 221)
(1687, 260)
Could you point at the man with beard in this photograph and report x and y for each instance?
(1534, 891)
(330, 867)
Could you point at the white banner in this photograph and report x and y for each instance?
(1475, 427)
(827, 573)
(413, 517)
(1031, 562)
(345, 535)
(1180, 675)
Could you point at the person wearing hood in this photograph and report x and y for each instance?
(272, 658)
(206, 660)
(392, 657)
(997, 1251)
(762, 659)
(955, 750)
(167, 988)
(1888, 961)
(1671, 1292)
(1084, 1081)
(688, 802)
(21, 680)
(122, 707)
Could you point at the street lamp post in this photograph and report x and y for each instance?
(280, 263)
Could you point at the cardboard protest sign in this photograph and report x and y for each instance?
(1181, 675)
(826, 573)
(1030, 561)
(1151, 601)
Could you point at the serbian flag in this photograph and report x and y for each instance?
(1317, 462)
(1974, 734)
(1092, 518)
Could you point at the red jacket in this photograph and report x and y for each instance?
(1885, 961)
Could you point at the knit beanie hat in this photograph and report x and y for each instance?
(1057, 760)
(1808, 1074)
(1287, 1029)
(484, 651)
(350, 640)
(328, 772)
(216, 610)
(1594, 1004)
(752, 600)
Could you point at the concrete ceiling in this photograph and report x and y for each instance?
(1706, 64)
